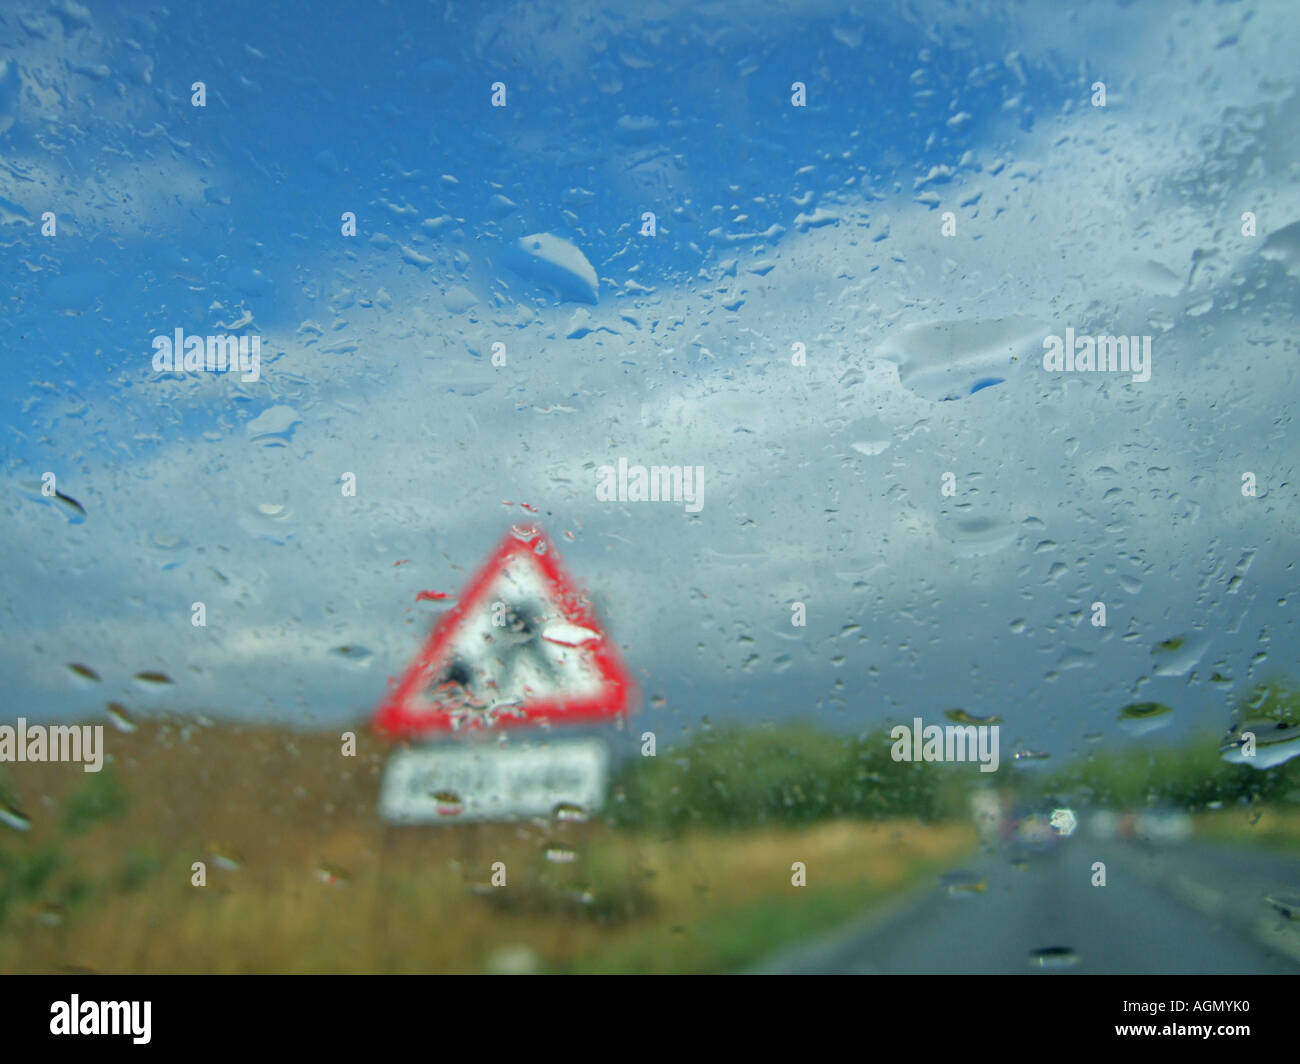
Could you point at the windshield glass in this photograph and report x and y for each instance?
(659, 487)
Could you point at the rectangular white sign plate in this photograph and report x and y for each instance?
(453, 784)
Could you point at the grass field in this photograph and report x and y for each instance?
(1268, 827)
(302, 876)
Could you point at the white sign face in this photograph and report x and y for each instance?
(516, 647)
(453, 784)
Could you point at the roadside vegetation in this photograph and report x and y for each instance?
(302, 876)
(691, 866)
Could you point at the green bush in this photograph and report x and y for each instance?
(778, 775)
(101, 798)
(25, 875)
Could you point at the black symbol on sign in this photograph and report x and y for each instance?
(513, 646)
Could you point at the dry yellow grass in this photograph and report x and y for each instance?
(322, 885)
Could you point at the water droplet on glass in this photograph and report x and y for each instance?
(121, 717)
(558, 854)
(331, 877)
(1139, 718)
(964, 884)
(1054, 958)
(11, 817)
(351, 654)
(1176, 656)
(960, 716)
(449, 803)
(152, 676)
(84, 671)
(1285, 903)
(50, 915)
(570, 812)
(1274, 743)
(1031, 755)
(224, 857)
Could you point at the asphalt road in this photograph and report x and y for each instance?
(1176, 910)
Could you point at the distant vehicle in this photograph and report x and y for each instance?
(1163, 827)
(1104, 824)
(1158, 827)
(1031, 835)
(1036, 830)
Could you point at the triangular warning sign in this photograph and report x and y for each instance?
(522, 646)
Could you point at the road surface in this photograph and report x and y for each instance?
(1191, 909)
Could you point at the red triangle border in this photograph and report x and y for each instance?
(395, 718)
